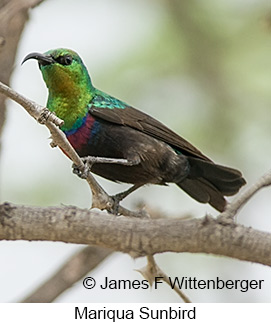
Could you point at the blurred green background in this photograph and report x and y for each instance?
(201, 67)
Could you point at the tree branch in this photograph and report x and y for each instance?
(13, 15)
(137, 237)
(241, 199)
(151, 271)
(73, 270)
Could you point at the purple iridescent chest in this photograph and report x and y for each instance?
(80, 137)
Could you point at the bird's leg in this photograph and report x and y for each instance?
(120, 196)
(89, 161)
(105, 160)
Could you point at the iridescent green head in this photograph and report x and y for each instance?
(68, 82)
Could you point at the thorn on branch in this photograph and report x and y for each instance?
(53, 144)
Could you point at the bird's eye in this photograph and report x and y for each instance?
(64, 60)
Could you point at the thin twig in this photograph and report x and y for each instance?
(72, 271)
(152, 270)
(241, 199)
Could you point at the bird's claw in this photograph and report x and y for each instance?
(120, 196)
(116, 199)
(82, 172)
(78, 171)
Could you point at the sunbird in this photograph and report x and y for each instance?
(145, 150)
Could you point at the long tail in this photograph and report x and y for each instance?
(209, 183)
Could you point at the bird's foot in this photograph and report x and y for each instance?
(115, 208)
(82, 172)
(88, 161)
(120, 196)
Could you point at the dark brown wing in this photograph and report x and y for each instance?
(140, 121)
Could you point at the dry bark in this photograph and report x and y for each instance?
(137, 237)
(13, 16)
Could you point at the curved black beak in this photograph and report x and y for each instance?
(41, 58)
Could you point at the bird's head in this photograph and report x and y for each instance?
(68, 82)
(61, 69)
